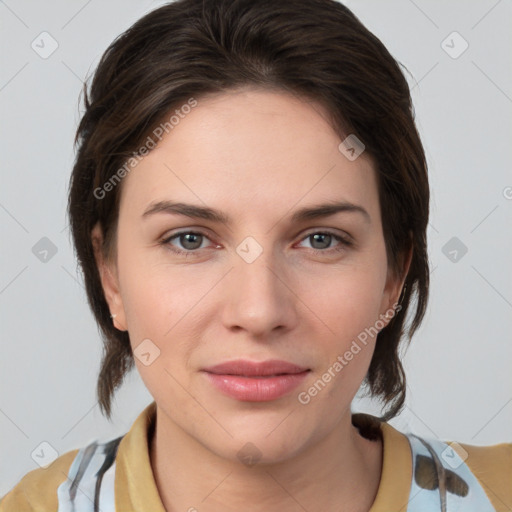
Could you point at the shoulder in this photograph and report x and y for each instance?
(91, 470)
(56, 486)
(37, 490)
(486, 459)
(462, 475)
(492, 465)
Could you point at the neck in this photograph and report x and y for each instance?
(338, 473)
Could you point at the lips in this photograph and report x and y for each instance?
(256, 381)
(245, 368)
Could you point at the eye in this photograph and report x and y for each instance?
(190, 241)
(323, 239)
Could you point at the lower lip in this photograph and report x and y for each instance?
(256, 389)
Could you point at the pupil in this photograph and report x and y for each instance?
(189, 241)
(322, 238)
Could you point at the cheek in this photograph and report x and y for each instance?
(348, 307)
(162, 302)
(158, 306)
(347, 302)
(150, 290)
(147, 305)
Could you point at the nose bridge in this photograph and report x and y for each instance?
(259, 301)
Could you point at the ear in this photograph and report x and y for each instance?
(109, 279)
(394, 286)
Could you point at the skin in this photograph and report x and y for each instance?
(257, 156)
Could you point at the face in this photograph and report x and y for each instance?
(265, 282)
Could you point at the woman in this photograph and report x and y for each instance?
(249, 206)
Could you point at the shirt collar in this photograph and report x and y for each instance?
(135, 486)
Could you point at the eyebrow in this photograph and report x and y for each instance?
(206, 213)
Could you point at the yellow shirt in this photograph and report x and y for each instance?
(134, 487)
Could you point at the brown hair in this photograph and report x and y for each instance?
(315, 49)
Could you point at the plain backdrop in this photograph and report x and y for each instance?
(458, 365)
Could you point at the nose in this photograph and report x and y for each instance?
(258, 297)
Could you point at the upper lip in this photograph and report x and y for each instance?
(252, 369)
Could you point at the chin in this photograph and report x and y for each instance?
(263, 441)
(262, 451)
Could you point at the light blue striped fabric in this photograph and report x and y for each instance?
(90, 483)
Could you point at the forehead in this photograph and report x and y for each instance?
(251, 150)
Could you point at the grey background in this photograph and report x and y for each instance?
(458, 366)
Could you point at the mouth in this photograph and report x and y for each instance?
(244, 368)
(256, 381)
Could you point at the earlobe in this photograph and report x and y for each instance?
(109, 280)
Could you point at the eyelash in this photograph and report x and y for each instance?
(344, 242)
